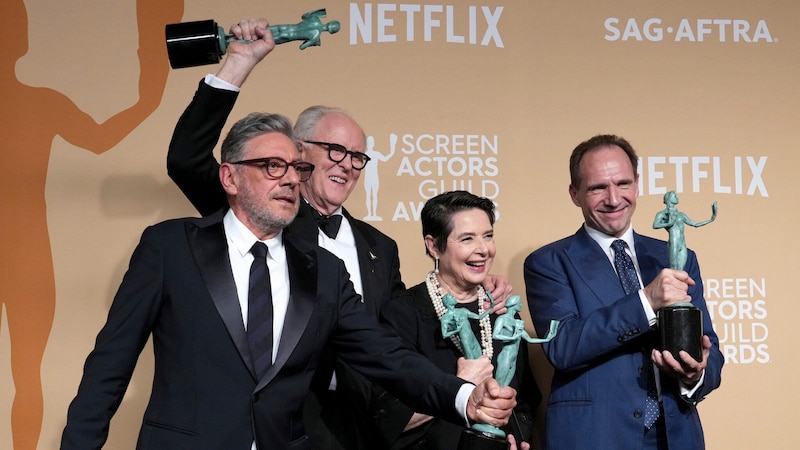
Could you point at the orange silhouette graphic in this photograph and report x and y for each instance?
(31, 117)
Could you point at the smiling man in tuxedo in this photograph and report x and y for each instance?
(335, 143)
(195, 285)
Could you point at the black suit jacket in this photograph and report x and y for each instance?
(414, 319)
(191, 164)
(180, 289)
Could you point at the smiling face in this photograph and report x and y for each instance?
(468, 255)
(262, 203)
(607, 190)
(331, 183)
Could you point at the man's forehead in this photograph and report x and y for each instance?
(604, 156)
(274, 144)
(339, 128)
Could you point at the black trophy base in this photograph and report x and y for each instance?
(476, 440)
(681, 328)
(192, 44)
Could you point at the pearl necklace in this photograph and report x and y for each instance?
(435, 293)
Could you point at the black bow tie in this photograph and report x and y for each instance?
(329, 224)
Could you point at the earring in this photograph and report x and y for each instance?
(436, 266)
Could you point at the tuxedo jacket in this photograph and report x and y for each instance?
(179, 289)
(191, 164)
(602, 350)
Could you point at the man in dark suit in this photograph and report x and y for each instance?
(603, 355)
(331, 140)
(189, 285)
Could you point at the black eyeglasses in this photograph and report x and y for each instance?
(337, 153)
(276, 167)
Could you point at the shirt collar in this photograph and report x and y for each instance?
(242, 239)
(605, 240)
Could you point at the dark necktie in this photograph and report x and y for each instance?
(259, 311)
(630, 283)
(329, 224)
(625, 269)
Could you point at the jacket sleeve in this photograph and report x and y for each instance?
(590, 328)
(190, 158)
(378, 354)
(713, 371)
(390, 414)
(109, 367)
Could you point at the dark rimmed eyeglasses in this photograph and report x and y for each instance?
(337, 153)
(276, 167)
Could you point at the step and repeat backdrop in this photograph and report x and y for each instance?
(488, 96)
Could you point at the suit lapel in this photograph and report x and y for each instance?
(367, 258)
(304, 226)
(302, 299)
(649, 264)
(593, 266)
(210, 251)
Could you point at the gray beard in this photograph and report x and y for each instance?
(262, 217)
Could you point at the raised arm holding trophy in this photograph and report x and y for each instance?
(268, 302)
(204, 42)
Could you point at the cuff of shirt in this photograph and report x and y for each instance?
(689, 392)
(648, 309)
(218, 83)
(461, 400)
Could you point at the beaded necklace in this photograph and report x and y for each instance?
(435, 293)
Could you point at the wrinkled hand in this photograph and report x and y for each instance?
(669, 287)
(686, 369)
(513, 444)
(500, 289)
(241, 57)
(474, 370)
(491, 404)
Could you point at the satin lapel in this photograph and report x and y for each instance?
(302, 299)
(592, 265)
(367, 257)
(210, 251)
(304, 226)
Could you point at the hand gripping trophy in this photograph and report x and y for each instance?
(204, 42)
(680, 324)
(510, 330)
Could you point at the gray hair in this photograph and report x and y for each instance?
(251, 126)
(307, 121)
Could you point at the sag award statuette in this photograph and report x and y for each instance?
(204, 42)
(680, 324)
(509, 330)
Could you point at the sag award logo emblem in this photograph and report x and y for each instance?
(371, 178)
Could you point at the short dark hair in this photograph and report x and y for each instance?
(251, 126)
(437, 214)
(599, 141)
